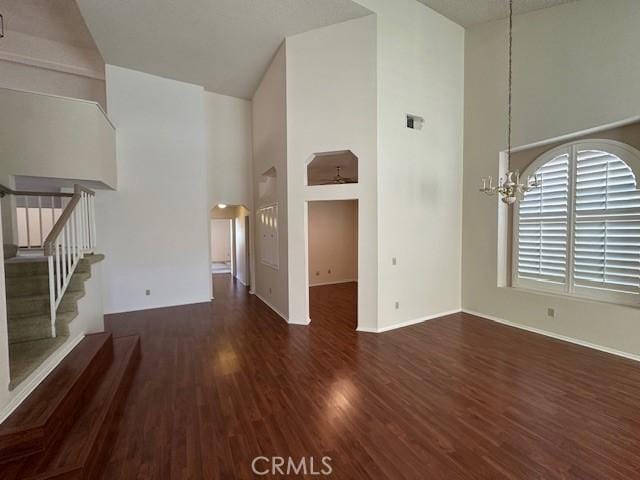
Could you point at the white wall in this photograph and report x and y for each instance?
(269, 121)
(333, 242)
(35, 79)
(31, 129)
(47, 48)
(221, 240)
(31, 126)
(228, 124)
(154, 230)
(420, 71)
(331, 106)
(576, 67)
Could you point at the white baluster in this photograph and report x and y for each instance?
(57, 247)
(63, 234)
(40, 219)
(53, 211)
(26, 209)
(85, 221)
(73, 236)
(52, 295)
(81, 209)
(69, 235)
(93, 222)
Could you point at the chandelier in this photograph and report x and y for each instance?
(510, 188)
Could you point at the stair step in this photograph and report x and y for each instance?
(39, 284)
(79, 452)
(25, 357)
(27, 267)
(48, 410)
(40, 305)
(37, 327)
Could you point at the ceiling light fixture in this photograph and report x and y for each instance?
(222, 205)
(510, 188)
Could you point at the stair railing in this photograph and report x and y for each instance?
(72, 236)
(37, 213)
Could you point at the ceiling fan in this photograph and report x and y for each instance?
(338, 179)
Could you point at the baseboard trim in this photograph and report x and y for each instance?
(156, 307)
(303, 323)
(332, 283)
(367, 330)
(408, 323)
(556, 336)
(268, 304)
(38, 375)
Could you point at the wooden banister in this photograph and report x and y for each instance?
(59, 225)
(48, 244)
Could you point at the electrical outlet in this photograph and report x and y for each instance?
(394, 261)
(551, 312)
(147, 292)
(270, 291)
(397, 305)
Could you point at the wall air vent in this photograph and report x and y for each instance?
(414, 122)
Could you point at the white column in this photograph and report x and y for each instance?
(4, 335)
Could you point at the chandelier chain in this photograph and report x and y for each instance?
(511, 189)
(510, 76)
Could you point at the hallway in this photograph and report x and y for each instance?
(458, 397)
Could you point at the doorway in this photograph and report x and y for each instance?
(333, 263)
(230, 238)
(221, 246)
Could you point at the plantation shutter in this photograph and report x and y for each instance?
(543, 225)
(607, 223)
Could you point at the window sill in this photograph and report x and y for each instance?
(576, 298)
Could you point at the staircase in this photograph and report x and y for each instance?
(62, 430)
(31, 340)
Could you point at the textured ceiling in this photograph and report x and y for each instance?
(57, 20)
(471, 12)
(224, 45)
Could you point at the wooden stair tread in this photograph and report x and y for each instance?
(45, 412)
(77, 454)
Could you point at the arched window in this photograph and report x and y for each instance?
(579, 233)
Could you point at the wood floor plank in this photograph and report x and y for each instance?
(457, 397)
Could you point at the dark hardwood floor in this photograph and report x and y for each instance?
(334, 307)
(455, 397)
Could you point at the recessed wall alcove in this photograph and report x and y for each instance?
(268, 186)
(332, 168)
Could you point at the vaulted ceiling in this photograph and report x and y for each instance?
(58, 20)
(224, 45)
(471, 12)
